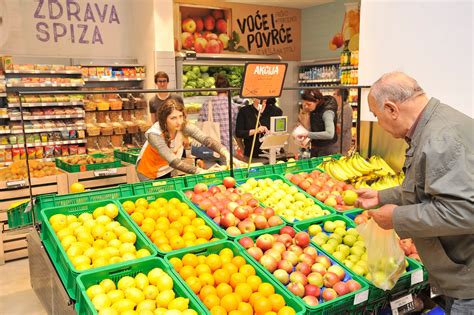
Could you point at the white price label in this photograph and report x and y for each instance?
(402, 305)
(105, 172)
(16, 183)
(361, 297)
(417, 277)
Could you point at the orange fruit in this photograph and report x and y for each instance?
(177, 242)
(230, 302)
(202, 268)
(190, 214)
(161, 201)
(171, 232)
(244, 290)
(277, 302)
(221, 276)
(211, 300)
(218, 310)
(223, 289)
(230, 268)
(129, 206)
(198, 222)
(182, 206)
(149, 221)
(245, 308)
(262, 306)
(236, 279)
(206, 279)
(214, 262)
(155, 234)
(194, 283)
(174, 201)
(238, 261)
(203, 231)
(200, 241)
(160, 240)
(190, 260)
(140, 209)
(254, 281)
(141, 202)
(286, 310)
(162, 226)
(226, 252)
(76, 188)
(174, 215)
(202, 259)
(254, 297)
(137, 217)
(165, 248)
(266, 289)
(178, 226)
(151, 213)
(177, 263)
(162, 213)
(148, 229)
(186, 272)
(207, 290)
(226, 259)
(189, 229)
(247, 270)
(185, 221)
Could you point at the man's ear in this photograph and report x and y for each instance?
(392, 109)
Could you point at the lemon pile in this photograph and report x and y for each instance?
(95, 240)
(150, 293)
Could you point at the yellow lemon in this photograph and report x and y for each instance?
(94, 290)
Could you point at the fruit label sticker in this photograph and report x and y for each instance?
(417, 276)
(361, 297)
(402, 305)
(263, 80)
(105, 172)
(162, 183)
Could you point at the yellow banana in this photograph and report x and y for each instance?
(338, 172)
(345, 167)
(359, 166)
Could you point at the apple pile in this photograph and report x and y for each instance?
(285, 199)
(233, 209)
(208, 34)
(407, 245)
(330, 191)
(307, 274)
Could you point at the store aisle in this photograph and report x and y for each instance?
(16, 294)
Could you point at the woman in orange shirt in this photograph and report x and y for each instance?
(164, 147)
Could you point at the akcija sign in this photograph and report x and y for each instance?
(73, 21)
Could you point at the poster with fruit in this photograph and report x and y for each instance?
(237, 28)
(349, 34)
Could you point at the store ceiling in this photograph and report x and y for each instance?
(299, 4)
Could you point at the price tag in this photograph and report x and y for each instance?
(361, 297)
(417, 277)
(161, 183)
(16, 183)
(105, 172)
(402, 305)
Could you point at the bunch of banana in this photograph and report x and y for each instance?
(349, 167)
(377, 162)
(380, 183)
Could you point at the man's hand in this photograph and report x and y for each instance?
(368, 198)
(383, 216)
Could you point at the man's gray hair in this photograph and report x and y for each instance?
(396, 87)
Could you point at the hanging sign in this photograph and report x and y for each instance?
(263, 80)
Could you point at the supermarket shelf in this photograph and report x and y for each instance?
(13, 105)
(348, 67)
(3, 94)
(43, 72)
(36, 85)
(319, 81)
(47, 117)
(112, 79)
(48, 129)
(4, 132)
(42, 160)
(116, 65)
(31, 145)
(4, 116)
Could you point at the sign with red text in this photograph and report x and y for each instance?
(263, 80)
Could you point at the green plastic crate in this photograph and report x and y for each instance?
(84, 304)
(208, 178)
(291, 167)
(129, 156)
(216, 232)
(160, 185)
(74, 168)
(314, 162)
(375, 294)
(215, 248)
(275, 177)
(67, 272)
(55, 200)
(244, 173)
(18, 218)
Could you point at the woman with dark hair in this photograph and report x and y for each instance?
(319, 117)
(166, 140)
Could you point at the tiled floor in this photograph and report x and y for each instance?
(16, 294)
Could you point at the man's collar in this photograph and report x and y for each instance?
(421, 120)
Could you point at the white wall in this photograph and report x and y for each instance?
(429, 40)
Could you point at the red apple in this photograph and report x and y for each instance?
(282, 276)
(296, 179)
(275, 221)
(305, 184)
(329, 294)
(200, 188)
(233, 231)
(232, 205)
(221, 26)
(199, 23)
(285, 265)
(209, 22)
(313, 190)
(269, 262)
(285, 239)
(290, 256)
(229, 182)
(189, 194)
(304, 258)
(311, 252)
(260, 222)
(246, 226)
(338, 270)
(214, 189)
(255, 252)
(312, 290)
(319, 268)
(241, 212)
(253, 203)
(217, 220)
(264, 241)
(341, 288)
(274, 253)
(246, 242)
(323, 260)
(330, 279)
(288, 230)
(296, 249)
(268, 213)
(353, 285)
(302, 239)
(299, 277)
(311, 300)
(205, 204)
(304, 268)
(212, 212)
(280, 247)
(188, 25)
(258, 210)
(322, 195)
(217, 14)
(228, 220)
(296, 288)
(213, 46)
(316, 279)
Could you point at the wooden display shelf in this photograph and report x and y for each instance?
(93, 180)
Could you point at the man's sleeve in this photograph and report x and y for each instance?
(390, 196)
(448, 165)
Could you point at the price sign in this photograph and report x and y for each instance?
(361, 297)
(417, 277)
(263, 80)
(402, 305)
(16, 183)
(105, 172)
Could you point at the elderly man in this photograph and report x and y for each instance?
(435, 204)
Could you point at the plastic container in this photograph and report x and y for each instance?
(216, 232)
(75, 168)
(376, 295)
(291, 167)
(84, 304)
(208, 178)
(341, 305)
(129, 156)
(159, 185)
(216, 247)
(17, 217)
(66, 271)
(242, 173)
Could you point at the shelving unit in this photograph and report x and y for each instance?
(50, 104)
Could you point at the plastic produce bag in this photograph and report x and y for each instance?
(385, 258)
